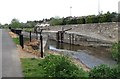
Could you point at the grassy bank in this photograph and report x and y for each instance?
(16, 40)
(52, 66)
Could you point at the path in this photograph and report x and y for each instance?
(0, 53)
(11, 66)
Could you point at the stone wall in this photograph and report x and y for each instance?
(105, 30)
(103, 34)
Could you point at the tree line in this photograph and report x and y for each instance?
(101, 18)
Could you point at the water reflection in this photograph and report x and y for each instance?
(86, 54)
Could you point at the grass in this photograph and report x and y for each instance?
(26, 39)
(31, 67)
(28, 29)
(51, 66)
(16, 40)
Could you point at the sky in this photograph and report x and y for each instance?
(30, 10)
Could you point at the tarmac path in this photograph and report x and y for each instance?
(11, 66)
(0, 53)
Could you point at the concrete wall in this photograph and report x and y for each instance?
(107, 30)
(88, 34)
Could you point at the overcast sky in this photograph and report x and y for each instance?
(38, 9)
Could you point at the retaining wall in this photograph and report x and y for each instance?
(103, 34)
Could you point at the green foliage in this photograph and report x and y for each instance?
(60, 66)
(28, 29)
(100, 72)
(116, 72)
(52, 66)
(0, 25)
(92, 19)
(15, 23)
(105, 72)
(16, 40)
(55, 21)
(116, 51)
(81, 20)
(107, 17)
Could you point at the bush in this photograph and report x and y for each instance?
(60, 66)
(105, 72)
(53, 66)
(100, 72)
(116, 72)
(116, 52)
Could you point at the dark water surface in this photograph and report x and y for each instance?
(91, 56)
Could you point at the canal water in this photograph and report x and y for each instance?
(90, 56)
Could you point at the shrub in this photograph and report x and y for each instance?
(105, 72)
(60, 66)
(116, 72)
(100, 72)
(116, 52)
(53, 66)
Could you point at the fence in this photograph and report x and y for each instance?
(29, 39)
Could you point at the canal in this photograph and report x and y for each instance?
(90, 56)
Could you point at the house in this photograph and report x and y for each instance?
(43, 25)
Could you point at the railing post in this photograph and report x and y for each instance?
(41, 45)
(70, 38)
(30, 36)
(21, 40)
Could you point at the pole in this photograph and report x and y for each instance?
(21, 40)
(70, 11)
(98, 7)
(41, 45)
(30, 36)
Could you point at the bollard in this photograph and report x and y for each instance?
(21, 40)
(30, 36)
(10, 28)
(70, 38)
(41, 45)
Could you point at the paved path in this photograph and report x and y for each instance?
(0, 53)
(11, 66)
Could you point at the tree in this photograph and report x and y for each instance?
(92, 19)
(15, 23)
(55, 21)
(0, 25)
(81, 20)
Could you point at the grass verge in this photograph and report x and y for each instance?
(52, 66)
(16, 40)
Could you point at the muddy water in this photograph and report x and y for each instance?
(91, 56)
